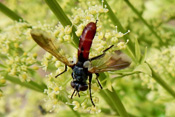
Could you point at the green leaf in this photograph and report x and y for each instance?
(130, 54)
(144, 56)
(112, 98)
(160, 80)
(109, 85)
(144, 68)
(10, 13)
(114, 102)
(137, 50)
(2, 85)
(2, 66)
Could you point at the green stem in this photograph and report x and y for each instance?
(123, 75)
(10, 13)
(104, 95)
(113, 100)
(144, 21)
(31, 85)
(62, 17)
(162, 82)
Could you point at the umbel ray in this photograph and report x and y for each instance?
(83, 69)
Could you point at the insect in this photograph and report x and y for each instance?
(84, 67)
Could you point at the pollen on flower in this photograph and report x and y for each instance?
(47, 56)
(13, 72)
(9, 69)
(44, 63)
(120, 34)
(84, 104)
(35, 55)
(10, 61)
(57, 64)
(59, 70)
(77, 105)
(67, 38)
(35, 67)
(23, 68)
(99, 28)
(55, 102)
(88, 17)
(80, 30)
(2, 81)
(96, 100)
(114, 40)
(24, 54)
(101, 9)
(76, 19)
(17, 59)
(95, 88)
(68, 30)
(16, 45)
(30, 60)
(24, 77)
(100, 35)
(121, 45)
(108, 35)
(50, 77)
(93, 110)
(92, 11)
(56, 89)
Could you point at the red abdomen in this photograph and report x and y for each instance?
(86, 41)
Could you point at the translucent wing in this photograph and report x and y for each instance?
(47, 42)
(110, 62)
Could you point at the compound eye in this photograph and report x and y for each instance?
(83, 87)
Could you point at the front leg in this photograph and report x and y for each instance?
(65, 69)
(104, 52)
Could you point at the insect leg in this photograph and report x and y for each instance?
(78, 94)
(99, 56)
(62, 72)
(72, 94)
(97, 75)
(90, 79)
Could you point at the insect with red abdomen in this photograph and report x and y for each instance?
(84, 67)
